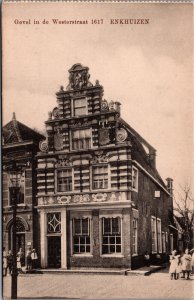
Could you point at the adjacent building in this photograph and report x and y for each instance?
(100, 199)
(20, 144)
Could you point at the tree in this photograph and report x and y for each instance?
(184, 212)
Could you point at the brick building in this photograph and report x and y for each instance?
(101, 201)
(20, 144)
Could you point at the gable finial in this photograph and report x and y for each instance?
(14, 116)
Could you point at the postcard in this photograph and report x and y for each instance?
(97, 147)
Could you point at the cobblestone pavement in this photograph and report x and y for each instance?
(80, 286)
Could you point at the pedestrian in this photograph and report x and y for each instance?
(20, 256)
(10, 261)
(179, 266)
(28, 259)
(4, 262)
(147, 259)
(187, 263)
(173, 265)
(192, 262)
(34, 258)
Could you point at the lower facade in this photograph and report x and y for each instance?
(75, 237)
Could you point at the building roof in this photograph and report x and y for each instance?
(139, 154)
(16, 132)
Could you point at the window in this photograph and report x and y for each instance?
(134, 178)
(64, 180)
(171, 242)
(111, 235)
(81, 236)
(154, 240)
(80, 107)
(81, 139)
(21, 194)
(159, 235)
(53, 222)
(100, 177)
(134, 250)
(163, 242)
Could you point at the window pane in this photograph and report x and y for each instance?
(85, 226)
(107, 226)
(87, 248)
(112, 240)
(105, 240)
(112, 248)
(118, 249)
(104, 249)
(118, 240)
(76, 249)
(115, 225)
(77, 226)
(82, 249)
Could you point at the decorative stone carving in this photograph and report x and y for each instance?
(63, 199)
(63, 163)
(43, 146)
(81, 198)
(51, 200)
(104, 138)
(113, 197)
(121, 135)
(58, 141)
(56, 113)
(100, 197)
(79, 77)
(50, 115)
(104, 105)
(99, 158)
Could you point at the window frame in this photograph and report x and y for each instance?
(155, 235)
(24, 190)
(80, 236)
(92, 177)
(83, 139)
(82, 106)
(134, 186)
(113, 254)
(159, 235)
(57, 178)
(135, 236)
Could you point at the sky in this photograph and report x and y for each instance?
(146, 67)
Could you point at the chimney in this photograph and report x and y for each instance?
(169, 185)
(152, 158)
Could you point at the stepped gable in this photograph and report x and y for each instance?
(138, 152)
(16, 132)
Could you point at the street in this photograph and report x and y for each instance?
(80, 286)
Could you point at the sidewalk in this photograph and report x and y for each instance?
(102, 271)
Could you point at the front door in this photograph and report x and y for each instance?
(54, 252)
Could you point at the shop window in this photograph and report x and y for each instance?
(53, 223)
(134, 179)
(80, 107)
(134, 249)
(111, 235)
(154, 237)
(81, 139)
(100, 177)
(81, 236)
(64, 180)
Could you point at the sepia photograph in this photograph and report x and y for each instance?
(97, 149)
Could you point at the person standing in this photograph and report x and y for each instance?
(147, 259)
(187, 263)
(173, 265)
(4, 262)
(20, 256)
(10, 261)
(28, 259)
(34, 258)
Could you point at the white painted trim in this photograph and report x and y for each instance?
(144, 170)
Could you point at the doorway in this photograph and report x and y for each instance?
(54, 252)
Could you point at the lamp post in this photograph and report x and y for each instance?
(14, 171)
